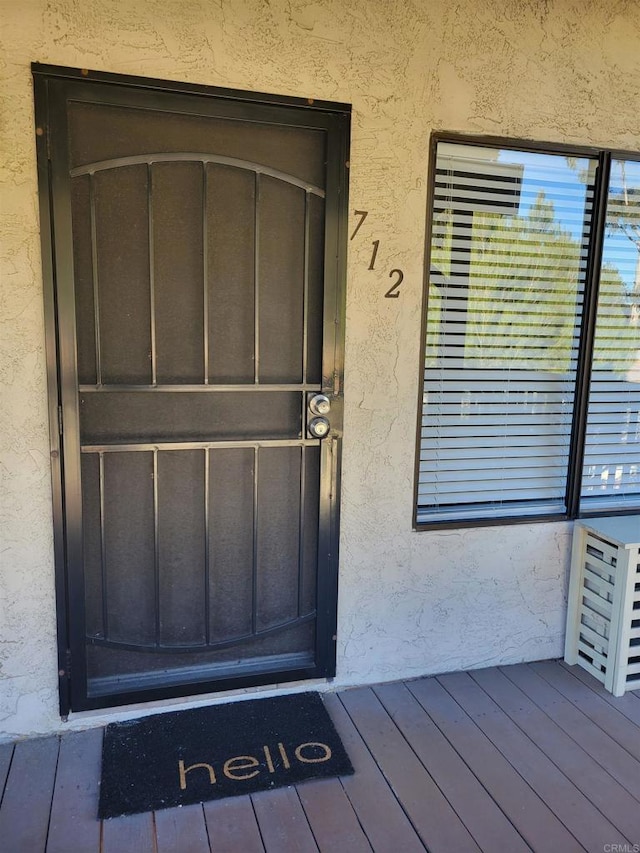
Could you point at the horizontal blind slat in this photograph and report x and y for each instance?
(509, 255)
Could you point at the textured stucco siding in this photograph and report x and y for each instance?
(410, 603)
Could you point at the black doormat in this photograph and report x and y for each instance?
(204, 754)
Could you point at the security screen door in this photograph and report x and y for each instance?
(198, 247)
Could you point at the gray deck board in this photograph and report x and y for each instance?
(131, 833)
(614, 758)
(434, 819)
(536, 822)
(604, 793)
(181, 830)
(331, 817)
(26, 805)
(380, 814)
(232, 826)
(6, 754)
(531, 757)
(479, 812)
(283, 823)
(629, 704)
(73, 827)
(558, 791)
(603, 714)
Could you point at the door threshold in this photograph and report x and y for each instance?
(136, 682)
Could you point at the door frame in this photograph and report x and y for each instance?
(53, 85)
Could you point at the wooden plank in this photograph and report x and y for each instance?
(624, 768)
(131, 833)
(607, 716)
(535, 821)
(629, 705)
(595, 602)
(232, 826)
(26, 805)
(181, 830)
(559, 793)
(598, 640)
(574, 606)
(607, 568)
(599, 624)
(595, 545)
(604, 586)
(385, 823)
(6, 754)
(331, 817)
(613, 801)
(74, 825)
(435, 821)
(596, 657)
(282, 821)
(473, 805)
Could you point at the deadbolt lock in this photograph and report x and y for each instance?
(319, 404)
(319, 427)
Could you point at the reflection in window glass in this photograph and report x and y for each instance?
(611, 473)
(508, 265)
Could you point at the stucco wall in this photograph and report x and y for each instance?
(410, 603)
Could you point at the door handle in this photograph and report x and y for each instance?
(319, 405)
(319, 427)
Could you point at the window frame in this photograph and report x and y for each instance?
(603, 158)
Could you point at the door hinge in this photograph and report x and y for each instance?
(336, 384)
(68, 673)
(60, 420)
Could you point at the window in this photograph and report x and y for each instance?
(531, 390)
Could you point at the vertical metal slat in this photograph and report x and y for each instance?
(305, 310)
(205, 272)
(587, 334)
(103, 553)
(152, 284)
(156, 547)
(254, 565)
(94, 271)
(207, 550)
(256, 281)
(303, 491)
(305, 303)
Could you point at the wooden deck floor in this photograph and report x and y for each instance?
(531, 757)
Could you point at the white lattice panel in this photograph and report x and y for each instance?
(603, 622)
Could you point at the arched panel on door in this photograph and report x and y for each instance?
(194, 289)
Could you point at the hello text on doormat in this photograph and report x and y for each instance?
(208, 753)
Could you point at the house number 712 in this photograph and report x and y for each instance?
(392, 293)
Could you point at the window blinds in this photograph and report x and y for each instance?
(611, 472)
(509, 250)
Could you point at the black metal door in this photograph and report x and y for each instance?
(197, 312)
